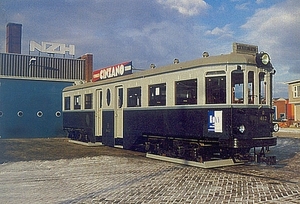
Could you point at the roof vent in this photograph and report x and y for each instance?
(176, 61)
(152, 66)
(205, 54)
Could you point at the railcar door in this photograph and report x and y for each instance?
(118, 130)
(98, 115)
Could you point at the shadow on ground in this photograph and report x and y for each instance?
(13, 150)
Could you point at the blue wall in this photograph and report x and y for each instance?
(31, 97)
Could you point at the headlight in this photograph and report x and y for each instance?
(275, 127)
(241, 129)
(265, 59)
(262, 59)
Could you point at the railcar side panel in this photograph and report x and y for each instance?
(194, 124)
(182, 123)
(83, 121)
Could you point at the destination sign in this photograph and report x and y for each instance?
(112, 71)
(244, 48)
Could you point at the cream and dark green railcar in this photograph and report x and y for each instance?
(212, 105)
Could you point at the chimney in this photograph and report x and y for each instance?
(88, 69)
(13, 38)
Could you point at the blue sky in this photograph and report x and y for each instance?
(157, 31)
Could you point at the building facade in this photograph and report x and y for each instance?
(284, 112)
(31, 93)
(294, 98)
(30, 108)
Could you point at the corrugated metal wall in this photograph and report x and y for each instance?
(42, 67)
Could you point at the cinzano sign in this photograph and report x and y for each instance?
(112, 71)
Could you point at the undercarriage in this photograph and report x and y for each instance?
(204, 150)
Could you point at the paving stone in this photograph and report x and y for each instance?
(110, 179)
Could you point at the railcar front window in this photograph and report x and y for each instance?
(157, 95)
(251, 87)
(77, 102)
(215, 90)
(262, 88)
(67, 102)
(88, 101)
(134, 97)
(237, 86)
(186, 92)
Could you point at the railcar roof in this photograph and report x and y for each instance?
(232, 58)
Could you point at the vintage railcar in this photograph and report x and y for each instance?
(214, 105)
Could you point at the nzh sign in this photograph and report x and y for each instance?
(52, 48)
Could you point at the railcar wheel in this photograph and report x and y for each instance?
(239, 154)
(74, 135)
(71, 135)
(179, 151)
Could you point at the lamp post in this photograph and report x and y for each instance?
(31, 62)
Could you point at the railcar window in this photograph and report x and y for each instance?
(120, 97)
(108, 97)
(157, 95)
(262, 88)
(134, 97)
(237, 85)
(215, 90)
(88, 101)
(100, 99)
(251, 87)
(186, 92)
(77, 102)
(67, 102)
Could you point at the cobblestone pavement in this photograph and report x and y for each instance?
(111, 179)
(118, 178)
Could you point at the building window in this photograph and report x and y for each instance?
(282, 116)
(134, 97)
(296, 91)
(186, 92)
(77, 102)
(157, 95)
(39, 114)
(88, 101)
(67, 103)
(58, 114)
(20, 113)
(215, 88)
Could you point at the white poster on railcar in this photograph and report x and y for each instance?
(215, 123)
